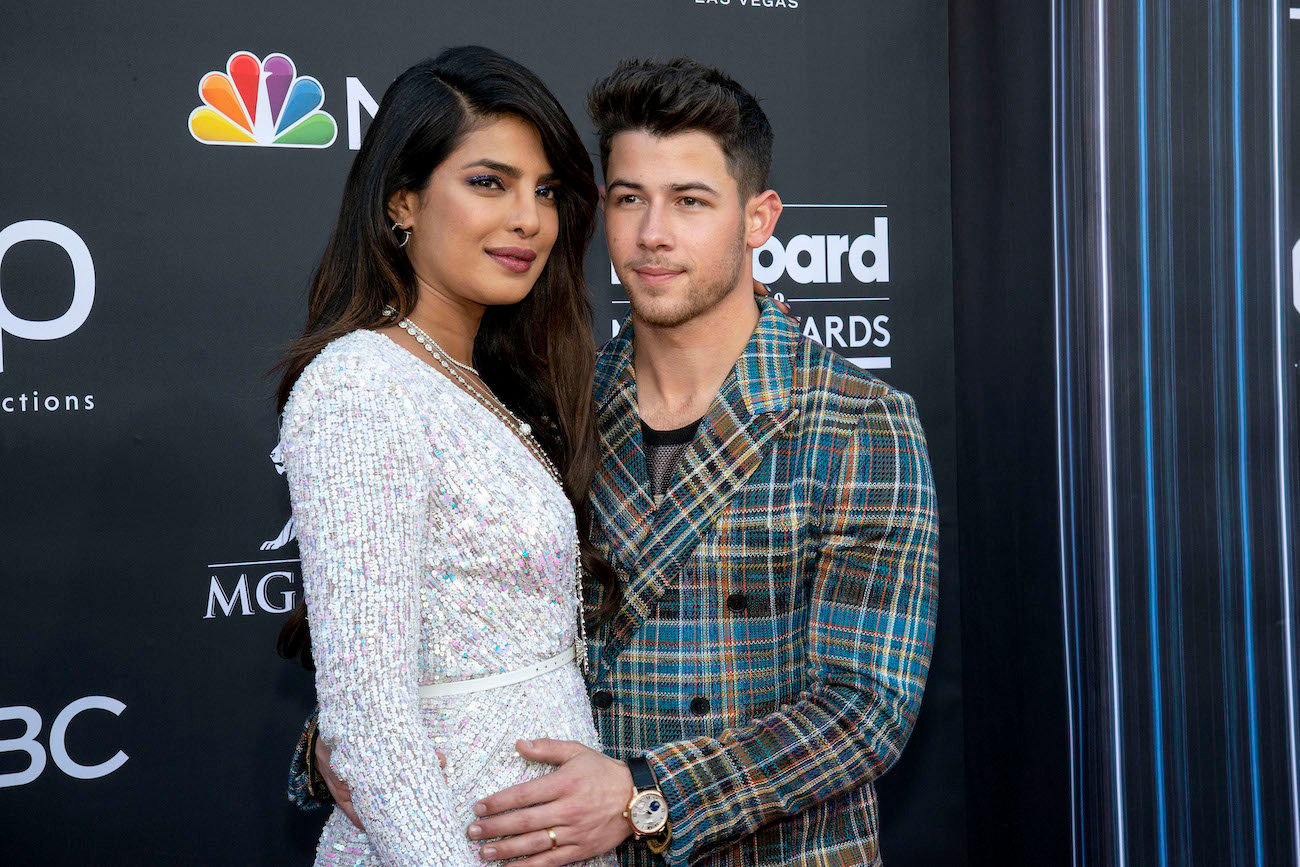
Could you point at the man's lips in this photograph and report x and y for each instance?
(516, 259)
(654, 274)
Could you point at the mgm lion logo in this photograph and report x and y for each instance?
(290, 531)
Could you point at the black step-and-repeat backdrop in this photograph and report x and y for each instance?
(170, 174)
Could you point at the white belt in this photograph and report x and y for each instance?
(505, 678)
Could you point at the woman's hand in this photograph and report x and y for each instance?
(763, 292)
(339, 790)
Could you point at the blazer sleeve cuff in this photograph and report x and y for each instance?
(307, 789)
(700, 812)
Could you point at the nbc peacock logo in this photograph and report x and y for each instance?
(263, 103)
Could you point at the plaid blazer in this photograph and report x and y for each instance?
(779, 603)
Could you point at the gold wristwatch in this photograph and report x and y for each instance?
(647, 810)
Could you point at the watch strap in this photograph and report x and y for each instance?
(643, 777)
(643, 780)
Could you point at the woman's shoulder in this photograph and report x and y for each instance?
(358, 358)
(359, 366)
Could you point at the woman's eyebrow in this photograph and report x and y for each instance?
(507, 169)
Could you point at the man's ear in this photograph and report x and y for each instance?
(402, 207)
(761, 213)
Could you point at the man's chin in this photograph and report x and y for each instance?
(661, 316)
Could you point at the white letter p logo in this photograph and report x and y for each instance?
(83, 282)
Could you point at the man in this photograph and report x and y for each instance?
(770, 510)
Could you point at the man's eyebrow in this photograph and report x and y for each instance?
(508, 170)
(684, 187)
(693, 186)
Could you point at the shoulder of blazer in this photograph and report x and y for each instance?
(829, 382)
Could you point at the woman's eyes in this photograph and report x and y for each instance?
(549, 192)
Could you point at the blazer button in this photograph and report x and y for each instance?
(699, 705)
(602, 699)
(737, 602)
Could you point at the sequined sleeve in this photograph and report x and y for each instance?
(360, 471)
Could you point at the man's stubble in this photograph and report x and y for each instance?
(702, 298)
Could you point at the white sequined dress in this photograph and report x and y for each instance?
(434, 548)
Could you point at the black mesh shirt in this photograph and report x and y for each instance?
(663, 452)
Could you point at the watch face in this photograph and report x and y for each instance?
(648, 813)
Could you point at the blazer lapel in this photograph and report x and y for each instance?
(620, 493)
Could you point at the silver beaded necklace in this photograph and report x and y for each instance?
(499, 409)
(525, 433)
(422, 337)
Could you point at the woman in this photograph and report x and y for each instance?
(438, 442)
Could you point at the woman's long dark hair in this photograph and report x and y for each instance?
(538, 354)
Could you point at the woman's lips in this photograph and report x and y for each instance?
(514, 259)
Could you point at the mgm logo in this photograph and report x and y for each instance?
(252, 586)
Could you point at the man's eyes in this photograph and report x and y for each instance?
(687, 201)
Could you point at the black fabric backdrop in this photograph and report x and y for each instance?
(1017, 749)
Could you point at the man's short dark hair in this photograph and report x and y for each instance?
(665, 97)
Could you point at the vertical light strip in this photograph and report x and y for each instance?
(1148, 446)
(1067, 577)
(1108, 427)
(1180, 765)
(1279, 344)
(1243, 478)
(1218, 98)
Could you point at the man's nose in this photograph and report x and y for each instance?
(655, 233)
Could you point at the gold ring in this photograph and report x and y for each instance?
(550, 832)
